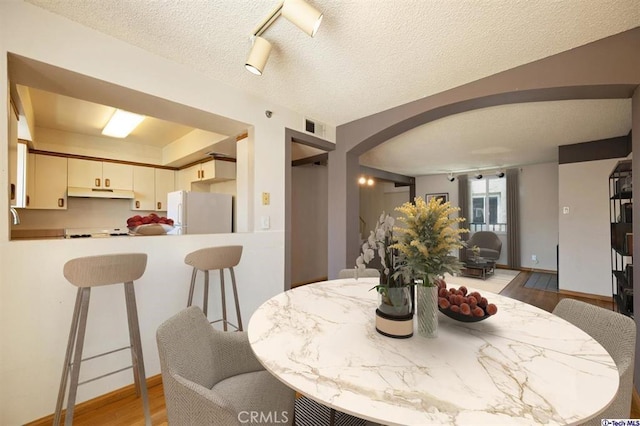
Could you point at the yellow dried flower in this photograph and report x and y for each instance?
(429, 236)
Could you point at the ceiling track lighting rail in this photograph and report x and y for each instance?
(298, 12)
(270, 19)
(451, 176)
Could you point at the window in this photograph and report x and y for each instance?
(488, 205)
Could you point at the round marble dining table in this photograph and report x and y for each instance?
(522, 366)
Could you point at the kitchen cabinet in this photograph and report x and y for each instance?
(143, 188)
(47, 182)
(208, 172)
(13, 156)
(165, 183)
(186, 176)
(151, 186)
(99, 174)
(31, 179)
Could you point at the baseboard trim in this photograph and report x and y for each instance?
(542, 271)
(100, 401)
(636, 398)
(585, 295)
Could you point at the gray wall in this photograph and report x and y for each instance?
(308, 223)
(381, 197)
(539, 215)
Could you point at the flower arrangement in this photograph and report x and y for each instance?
(425, 242)
(381, 241)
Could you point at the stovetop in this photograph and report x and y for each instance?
(96, 232)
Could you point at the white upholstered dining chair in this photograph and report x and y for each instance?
(617, 334)
(363, 273)
(212, 377)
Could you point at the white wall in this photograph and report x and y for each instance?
(309, 222)
(539, 215)
(36, 302)
(585, 250)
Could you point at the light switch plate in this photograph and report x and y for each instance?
(265, 222)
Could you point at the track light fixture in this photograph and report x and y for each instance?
(298, 12)
(258, 55)
(478, 176)
(450, 177)
(500, 174)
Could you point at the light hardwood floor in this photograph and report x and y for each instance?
(128, 411)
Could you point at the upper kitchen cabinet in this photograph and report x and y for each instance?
(100, 174)
(144, 188)
(207, 172)
(13, 155)
(47, 182)
(151, 186)
(165, 183)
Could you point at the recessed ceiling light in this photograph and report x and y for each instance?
(122, 123)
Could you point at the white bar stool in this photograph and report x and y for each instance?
(93, 271)
(209, 259)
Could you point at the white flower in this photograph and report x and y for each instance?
(389, 222)
(369, 254)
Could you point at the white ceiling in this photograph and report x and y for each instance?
(372, 55)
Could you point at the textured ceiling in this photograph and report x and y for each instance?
(369, 55)
(501, 136)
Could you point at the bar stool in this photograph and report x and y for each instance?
(209, 259)
(93, 271)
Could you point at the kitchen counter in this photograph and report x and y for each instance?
(36, 234)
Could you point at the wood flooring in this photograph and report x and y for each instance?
(128, 411)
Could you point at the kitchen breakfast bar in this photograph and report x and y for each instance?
(37, 304)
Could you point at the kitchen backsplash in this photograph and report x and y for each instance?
(81, 213)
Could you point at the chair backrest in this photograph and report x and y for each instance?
(105, 269)
(364, 273)
(184, 345)
(485, 239)
(617, 334)
(211, 258)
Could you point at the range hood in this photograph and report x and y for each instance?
(73, 191)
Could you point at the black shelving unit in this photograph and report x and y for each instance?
(621, 208)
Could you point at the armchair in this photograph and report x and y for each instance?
(489, 244)
(212, 377)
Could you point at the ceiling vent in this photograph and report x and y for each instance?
(314, 126)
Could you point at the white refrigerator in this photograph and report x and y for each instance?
(200, 212)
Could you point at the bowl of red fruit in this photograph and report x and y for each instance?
(462, 305)
(149, 225)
